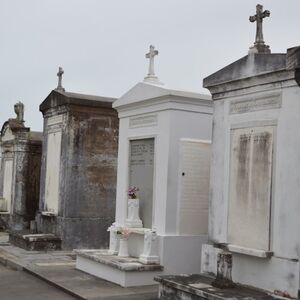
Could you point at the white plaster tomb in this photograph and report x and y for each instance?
(164, 150)
(255, 178)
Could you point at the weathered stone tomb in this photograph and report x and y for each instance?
(79, 168)
(164, 151)
(254, 209)
(19, 172)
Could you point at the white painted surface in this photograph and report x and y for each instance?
(181, 254)
(53, 171)
(7, 183)
(269, 274)
(194, 187)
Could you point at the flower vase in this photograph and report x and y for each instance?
(123, 249)
(133, 219)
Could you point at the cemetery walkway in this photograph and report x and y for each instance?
(57, 268)
(17, 285)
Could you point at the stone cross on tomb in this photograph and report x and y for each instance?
(151, 74)
(59, 75)
(259, 45)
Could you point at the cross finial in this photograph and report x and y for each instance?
(19, 110)
(151, 75)
(259, 45)
(59, 75)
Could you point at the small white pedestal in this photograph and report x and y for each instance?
(150, 254)
(133, 220)
(114, 240)
(123, 250)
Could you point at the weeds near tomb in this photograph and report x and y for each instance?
(132, 192)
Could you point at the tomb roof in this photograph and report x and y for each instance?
(60, 97)
(248, 66)
(36, 135)
(144, 91)
(255, 64)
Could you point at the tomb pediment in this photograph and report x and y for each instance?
(147, 92)
(58, 97)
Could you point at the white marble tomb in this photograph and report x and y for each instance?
(164, 150)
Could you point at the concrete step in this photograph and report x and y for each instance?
(34, 242)
(125, 271)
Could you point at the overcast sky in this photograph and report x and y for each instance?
(101, 44)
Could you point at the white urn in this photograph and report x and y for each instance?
(133, 219)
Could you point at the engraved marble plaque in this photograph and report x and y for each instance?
(55, 120)
(143, 121)
(250, 187)
(141, 176)
(244, 106)
(52, 171)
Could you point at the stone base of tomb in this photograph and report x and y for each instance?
(199, 287)
(37, 242)
(125, 271)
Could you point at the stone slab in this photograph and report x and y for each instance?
(127, 264)
(198, 287)
(250, 187)
(34, 241)
(250, 251)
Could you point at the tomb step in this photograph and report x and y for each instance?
(125, 271)
(199, 287)
(34, 242)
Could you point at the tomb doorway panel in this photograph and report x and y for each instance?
(193, 187)
(7, 183)
(249, 214)
(141, 174)
(53, 171)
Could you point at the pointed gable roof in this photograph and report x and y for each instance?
(248, 66)
(143, 92)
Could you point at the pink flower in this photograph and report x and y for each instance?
(132, 191)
